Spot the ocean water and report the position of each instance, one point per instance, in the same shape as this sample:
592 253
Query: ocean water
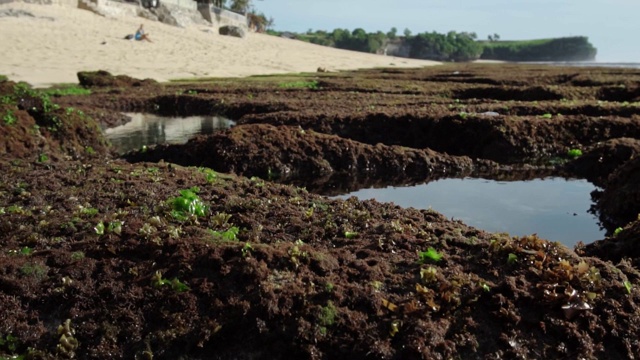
624 65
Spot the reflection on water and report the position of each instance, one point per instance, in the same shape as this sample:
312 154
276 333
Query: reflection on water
554 208
149 129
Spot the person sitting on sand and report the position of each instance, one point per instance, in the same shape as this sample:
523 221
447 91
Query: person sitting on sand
141 35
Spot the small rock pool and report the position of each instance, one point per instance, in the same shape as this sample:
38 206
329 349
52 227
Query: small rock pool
149 129
556 209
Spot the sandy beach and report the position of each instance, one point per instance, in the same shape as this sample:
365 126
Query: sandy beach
59 40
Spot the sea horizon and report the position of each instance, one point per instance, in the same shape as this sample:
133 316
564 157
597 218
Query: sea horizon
612 64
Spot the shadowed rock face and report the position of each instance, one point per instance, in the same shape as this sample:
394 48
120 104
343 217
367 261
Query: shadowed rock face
110 252
620 198
293 153
599 163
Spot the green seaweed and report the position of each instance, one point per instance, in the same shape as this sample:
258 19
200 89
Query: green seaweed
188 204
430 255
574 153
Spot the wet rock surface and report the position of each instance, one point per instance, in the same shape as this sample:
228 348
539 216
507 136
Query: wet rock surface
265 151
599 163
206 250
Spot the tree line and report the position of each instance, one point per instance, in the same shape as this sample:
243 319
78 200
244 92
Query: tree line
452 46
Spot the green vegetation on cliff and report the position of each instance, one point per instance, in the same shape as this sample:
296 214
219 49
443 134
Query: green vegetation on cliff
444 47
357 40
452 46
575 48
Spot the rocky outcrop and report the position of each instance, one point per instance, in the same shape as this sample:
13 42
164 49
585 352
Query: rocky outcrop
167 13
621 198
103 78
108 8
292 152
598 163
231 30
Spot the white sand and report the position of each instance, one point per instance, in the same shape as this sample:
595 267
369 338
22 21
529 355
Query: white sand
62 40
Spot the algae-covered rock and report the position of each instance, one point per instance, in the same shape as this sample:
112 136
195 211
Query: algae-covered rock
103 78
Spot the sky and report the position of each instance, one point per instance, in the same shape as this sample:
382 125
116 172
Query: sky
612 26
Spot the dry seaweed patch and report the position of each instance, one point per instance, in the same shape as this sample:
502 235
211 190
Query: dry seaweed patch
102 258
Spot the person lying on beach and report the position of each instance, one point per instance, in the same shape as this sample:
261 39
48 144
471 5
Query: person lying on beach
141 35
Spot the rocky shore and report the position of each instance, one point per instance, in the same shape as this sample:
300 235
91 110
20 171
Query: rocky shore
223 248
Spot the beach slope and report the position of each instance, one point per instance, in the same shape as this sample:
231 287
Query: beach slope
48 44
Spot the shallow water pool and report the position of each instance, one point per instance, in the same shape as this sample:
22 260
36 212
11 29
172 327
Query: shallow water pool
554 208
150 129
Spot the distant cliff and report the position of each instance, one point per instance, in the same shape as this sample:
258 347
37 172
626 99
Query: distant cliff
577 48
452 46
